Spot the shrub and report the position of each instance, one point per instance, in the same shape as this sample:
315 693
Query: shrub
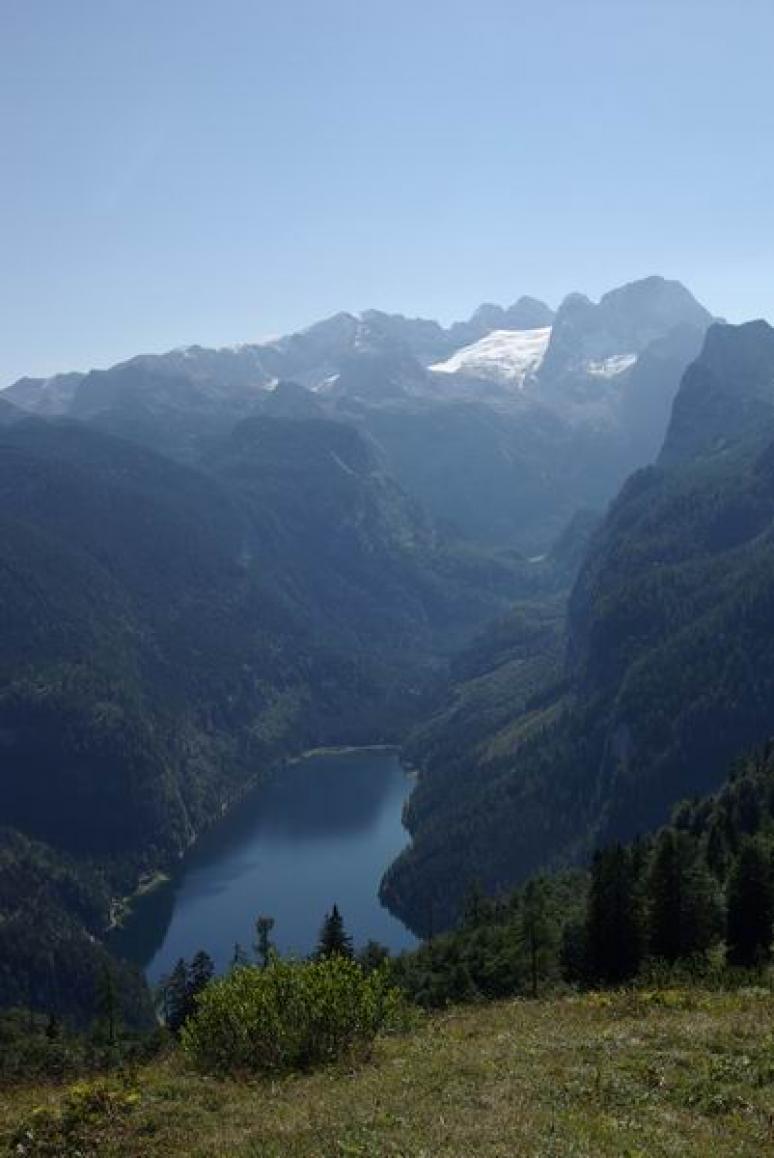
92 1117
34 1047
290 1015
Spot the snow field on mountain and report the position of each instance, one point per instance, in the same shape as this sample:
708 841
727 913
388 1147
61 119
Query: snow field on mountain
503 355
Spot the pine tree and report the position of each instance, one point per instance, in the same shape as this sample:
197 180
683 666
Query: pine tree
176 1001
535 930
573 952
717 852
263 945
239 958
614 928
750 907
199 976
333 936
107 1003
372 956
684 916
476 908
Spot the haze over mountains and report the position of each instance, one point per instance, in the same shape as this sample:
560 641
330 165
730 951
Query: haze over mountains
502 426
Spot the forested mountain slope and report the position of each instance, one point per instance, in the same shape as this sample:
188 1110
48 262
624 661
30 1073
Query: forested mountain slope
166 634
669 667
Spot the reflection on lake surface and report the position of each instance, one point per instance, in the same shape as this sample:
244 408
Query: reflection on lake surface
321 831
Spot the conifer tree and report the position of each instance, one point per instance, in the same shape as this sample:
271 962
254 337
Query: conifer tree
200 974
717 852
614 928
239 957
535 930
177 996
333 936
107 1003
263 944
475 905
372 956
750 907
573 952
684 916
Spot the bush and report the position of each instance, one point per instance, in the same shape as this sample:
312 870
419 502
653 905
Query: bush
34 1047
92 1117
290 1015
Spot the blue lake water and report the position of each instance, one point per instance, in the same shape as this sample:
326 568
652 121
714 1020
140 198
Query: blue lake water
320 831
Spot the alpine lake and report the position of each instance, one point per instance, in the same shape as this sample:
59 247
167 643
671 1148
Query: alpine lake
321 831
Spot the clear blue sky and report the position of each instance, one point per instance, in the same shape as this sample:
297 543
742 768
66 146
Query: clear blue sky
214 171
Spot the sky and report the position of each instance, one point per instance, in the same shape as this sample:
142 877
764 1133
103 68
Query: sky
219 171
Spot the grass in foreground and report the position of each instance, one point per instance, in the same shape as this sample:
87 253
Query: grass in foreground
677 1072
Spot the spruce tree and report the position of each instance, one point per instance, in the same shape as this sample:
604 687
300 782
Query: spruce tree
200 974
372 956
476 907
263 945
717 852
683 911
176 1001
239 957
573 953
107 1003
614 928
333 936
750 907
534 930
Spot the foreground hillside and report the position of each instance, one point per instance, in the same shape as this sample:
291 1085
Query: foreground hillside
656 1073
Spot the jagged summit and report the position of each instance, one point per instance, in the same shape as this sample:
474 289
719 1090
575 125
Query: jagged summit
622 323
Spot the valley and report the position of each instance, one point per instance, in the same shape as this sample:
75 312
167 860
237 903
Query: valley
376 531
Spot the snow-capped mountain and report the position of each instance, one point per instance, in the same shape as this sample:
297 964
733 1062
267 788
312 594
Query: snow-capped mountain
501 426
506 356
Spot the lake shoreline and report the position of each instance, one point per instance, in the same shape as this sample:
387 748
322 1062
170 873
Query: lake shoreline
340 750
121 907
324 832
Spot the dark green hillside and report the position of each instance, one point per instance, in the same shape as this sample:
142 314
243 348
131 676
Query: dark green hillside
459 813
670 659
696 895
360 562
53 910
166 635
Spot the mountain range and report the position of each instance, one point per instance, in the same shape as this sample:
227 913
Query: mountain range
502 426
